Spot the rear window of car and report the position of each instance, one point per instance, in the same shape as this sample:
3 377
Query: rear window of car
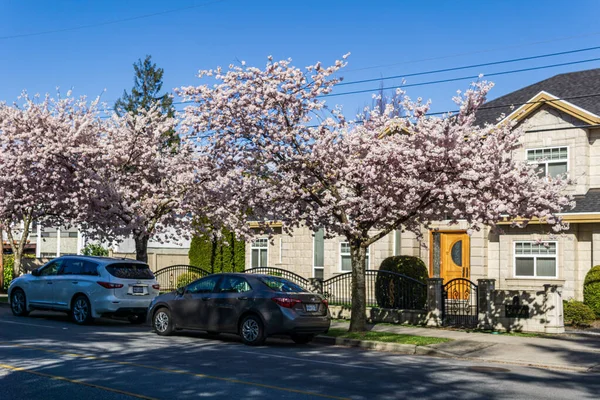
281 285
130 271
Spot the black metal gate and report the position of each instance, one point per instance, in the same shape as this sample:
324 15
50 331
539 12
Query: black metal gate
460 307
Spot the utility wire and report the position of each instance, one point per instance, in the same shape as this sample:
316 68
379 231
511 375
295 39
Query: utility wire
473 52
116 21
437 71
462 78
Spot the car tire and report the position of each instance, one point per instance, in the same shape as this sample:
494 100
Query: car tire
252 330
302 339
162 322
81 310
18 303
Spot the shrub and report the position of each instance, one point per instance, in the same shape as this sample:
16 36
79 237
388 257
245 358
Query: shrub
186 278
94 250
391 292
223 254
591 290
9 262
577 313
413 267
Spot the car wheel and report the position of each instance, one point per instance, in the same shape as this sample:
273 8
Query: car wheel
302 339
18 303
162 322
137 319
252 331
81 310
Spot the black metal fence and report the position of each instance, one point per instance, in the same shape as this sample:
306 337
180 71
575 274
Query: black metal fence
384 289
175 276
290 276
460 307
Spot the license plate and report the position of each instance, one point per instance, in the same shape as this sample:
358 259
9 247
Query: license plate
138 290
311 307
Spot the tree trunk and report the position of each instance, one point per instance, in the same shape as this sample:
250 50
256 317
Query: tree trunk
141 248
358 255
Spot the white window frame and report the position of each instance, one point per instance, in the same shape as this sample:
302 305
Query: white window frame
534 256
259 248
549 161
368 263
314 267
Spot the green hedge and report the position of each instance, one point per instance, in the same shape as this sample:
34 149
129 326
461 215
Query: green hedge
591 290
223 255
9 262
187 278
577 313
94 250
387 289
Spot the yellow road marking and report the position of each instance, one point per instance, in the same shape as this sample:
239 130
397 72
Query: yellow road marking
174 371
75 381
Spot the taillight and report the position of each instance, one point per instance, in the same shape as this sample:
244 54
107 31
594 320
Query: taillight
286 301
157 286
109 285
325 302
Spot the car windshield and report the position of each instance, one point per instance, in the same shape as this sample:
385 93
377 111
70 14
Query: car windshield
130 271
280 284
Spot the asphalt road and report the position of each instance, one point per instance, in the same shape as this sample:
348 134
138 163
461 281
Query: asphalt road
44 356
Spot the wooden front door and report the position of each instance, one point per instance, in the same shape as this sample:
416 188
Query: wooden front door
450 250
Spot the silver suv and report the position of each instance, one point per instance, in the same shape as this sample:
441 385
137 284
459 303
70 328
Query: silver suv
86 288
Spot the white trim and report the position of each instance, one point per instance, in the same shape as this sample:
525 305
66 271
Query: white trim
314 267
399 250
280 251
58 242
528 103
340 258
534 256
38 242
527 150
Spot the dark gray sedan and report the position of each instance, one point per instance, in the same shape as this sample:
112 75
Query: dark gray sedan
253 306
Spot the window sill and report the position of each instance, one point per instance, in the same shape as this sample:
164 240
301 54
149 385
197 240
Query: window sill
533 282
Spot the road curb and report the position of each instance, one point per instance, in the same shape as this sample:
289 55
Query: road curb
409 349
4 305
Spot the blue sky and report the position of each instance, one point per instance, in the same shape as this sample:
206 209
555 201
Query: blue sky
415 36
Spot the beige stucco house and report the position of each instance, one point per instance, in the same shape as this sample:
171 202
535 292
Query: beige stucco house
561 119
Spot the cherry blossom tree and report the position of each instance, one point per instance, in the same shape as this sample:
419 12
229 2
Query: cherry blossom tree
279 151
138 186
45 145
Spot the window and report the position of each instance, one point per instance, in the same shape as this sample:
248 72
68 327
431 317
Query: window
126 270
48 255
234 284
318 253
51 269
205 285
280 284
345 257
533 260
397 242
79 267
552 161
260 252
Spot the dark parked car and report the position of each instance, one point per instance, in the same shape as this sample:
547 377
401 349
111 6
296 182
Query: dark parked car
253 306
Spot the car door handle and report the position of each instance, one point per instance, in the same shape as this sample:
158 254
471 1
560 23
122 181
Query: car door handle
242 298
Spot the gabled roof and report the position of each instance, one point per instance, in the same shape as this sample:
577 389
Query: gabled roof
573 87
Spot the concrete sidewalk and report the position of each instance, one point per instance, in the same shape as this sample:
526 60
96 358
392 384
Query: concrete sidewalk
566 351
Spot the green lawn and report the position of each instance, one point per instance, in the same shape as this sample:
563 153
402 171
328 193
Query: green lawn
387 337
3 299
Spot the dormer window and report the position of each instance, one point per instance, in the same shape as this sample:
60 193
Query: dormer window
551 161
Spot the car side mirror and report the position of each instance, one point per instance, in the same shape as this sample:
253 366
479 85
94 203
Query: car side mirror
35 272
181 290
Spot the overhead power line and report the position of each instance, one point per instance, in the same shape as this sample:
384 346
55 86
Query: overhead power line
473 52
116 21
462 78
437 71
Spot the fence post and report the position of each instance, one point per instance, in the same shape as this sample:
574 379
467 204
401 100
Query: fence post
316 285
485 303
434 301
553 308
